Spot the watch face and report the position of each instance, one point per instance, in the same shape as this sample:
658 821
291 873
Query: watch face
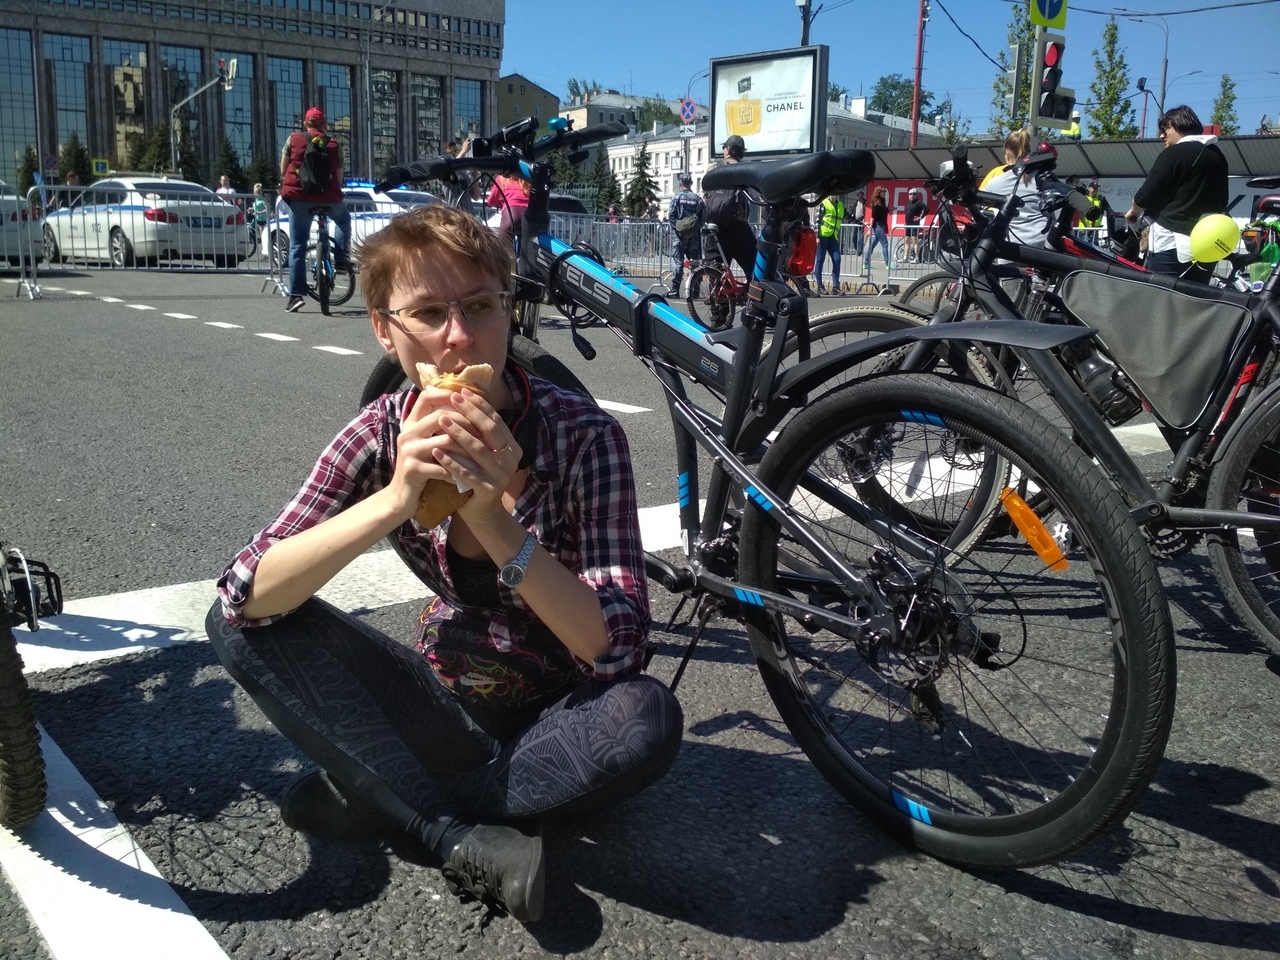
511 575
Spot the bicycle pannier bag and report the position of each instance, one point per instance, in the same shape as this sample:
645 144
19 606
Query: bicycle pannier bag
687 226
313 172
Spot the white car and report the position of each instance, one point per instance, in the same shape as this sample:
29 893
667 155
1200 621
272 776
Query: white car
141 219
19 229
370 210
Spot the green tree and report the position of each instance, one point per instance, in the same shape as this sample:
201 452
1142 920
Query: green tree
641 186
602 178
28 169
835 92
1224 108
148 153
581 88
955 129
74 158
1004 120
653 110
228 162
262 170
564 173
1111 115
893 94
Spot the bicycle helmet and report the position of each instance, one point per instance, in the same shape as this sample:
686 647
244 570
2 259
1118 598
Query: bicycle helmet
1213 238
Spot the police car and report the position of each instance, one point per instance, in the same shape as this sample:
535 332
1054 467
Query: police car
371 210
140 219
19 229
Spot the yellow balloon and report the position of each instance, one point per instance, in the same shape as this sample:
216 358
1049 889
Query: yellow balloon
1213 238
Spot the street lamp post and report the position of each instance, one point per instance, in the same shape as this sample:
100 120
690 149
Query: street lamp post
688 149
1142 16
1189 73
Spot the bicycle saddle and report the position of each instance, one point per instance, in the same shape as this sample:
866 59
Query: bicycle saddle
833 171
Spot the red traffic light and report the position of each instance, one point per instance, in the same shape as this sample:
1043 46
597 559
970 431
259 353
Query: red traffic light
1053 54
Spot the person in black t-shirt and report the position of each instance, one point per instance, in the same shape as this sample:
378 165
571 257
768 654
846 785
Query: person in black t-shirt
1187 181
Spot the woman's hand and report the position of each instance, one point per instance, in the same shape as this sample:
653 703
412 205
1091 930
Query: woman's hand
480 451
421 434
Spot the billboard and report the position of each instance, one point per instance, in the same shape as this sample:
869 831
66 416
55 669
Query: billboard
776 101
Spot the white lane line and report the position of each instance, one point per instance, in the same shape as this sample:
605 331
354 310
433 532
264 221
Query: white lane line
182 316
1142 438
621 407
223 324
78 293
58 289
275 336
341 351
138 306
91 890
111 300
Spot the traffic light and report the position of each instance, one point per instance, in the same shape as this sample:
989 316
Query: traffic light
1015 75
1053 102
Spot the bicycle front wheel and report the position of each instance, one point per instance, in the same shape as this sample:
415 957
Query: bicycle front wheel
326 281
709 299
1015 704
22 779
1246 562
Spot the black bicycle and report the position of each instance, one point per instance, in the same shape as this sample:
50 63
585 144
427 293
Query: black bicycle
29 590
998 706
328 283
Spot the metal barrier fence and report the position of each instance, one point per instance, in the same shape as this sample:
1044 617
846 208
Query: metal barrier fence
632 248
19 241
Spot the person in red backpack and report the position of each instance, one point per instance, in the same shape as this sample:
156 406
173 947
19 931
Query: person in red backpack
303 185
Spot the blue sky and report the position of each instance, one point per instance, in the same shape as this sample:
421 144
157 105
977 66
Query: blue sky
658 46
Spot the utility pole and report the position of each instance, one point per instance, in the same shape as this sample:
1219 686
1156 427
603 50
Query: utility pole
226 76
915 90
806 18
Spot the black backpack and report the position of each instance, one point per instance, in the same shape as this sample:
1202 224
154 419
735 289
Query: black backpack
724 206
313 172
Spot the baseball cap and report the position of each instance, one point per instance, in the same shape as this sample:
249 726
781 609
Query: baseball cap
735 143
684 177
315 114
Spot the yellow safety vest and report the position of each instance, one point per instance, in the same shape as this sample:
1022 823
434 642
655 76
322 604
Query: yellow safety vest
832 215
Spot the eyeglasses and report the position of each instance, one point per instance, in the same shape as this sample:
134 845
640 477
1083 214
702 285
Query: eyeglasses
483 308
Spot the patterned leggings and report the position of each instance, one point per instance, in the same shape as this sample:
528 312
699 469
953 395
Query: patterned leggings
372 713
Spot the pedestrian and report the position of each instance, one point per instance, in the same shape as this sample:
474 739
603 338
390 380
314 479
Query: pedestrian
300 200
612 215
1030 224
857 213
830 216
511 195
1187 181
525 697
225 187
916 209
1090 222
879 228
685 214
727 209
260 213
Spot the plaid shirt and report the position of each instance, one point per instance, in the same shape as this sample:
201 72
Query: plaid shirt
579 500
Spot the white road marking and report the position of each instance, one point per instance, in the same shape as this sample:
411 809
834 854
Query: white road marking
223 324
111 300
1142 438
621 407
341 351
275 336
58 289
77 293
138 306
182 316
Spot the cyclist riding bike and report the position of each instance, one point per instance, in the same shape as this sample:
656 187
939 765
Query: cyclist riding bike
311 176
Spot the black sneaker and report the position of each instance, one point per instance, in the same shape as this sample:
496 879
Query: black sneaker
295 304
314 806
499 865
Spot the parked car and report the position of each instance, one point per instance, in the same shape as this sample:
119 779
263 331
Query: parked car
370 210
19 229
558 203
141 219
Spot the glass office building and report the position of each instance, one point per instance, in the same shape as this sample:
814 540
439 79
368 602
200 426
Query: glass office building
396 80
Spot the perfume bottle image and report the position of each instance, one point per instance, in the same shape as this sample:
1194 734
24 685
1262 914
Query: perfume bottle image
742 116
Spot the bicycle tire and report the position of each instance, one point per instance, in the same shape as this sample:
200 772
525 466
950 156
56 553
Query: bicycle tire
23 788
985 758
708 301
1246 564
925 294
340 288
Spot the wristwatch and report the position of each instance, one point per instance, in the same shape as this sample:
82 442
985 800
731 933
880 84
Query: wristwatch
512 575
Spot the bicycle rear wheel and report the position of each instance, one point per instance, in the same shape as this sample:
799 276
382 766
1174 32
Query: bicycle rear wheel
1011 713
23 788
709 299
326 281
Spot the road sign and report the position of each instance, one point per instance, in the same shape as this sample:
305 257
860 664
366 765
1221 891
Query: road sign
687 130
51 162
1049 13
101 167
688 110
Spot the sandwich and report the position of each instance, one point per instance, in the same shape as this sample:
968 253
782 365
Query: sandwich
442 498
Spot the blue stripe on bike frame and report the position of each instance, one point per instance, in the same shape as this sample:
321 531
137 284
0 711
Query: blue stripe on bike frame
911 808
759 268
746 596
758 497
918 416
683 485
664 312
526 170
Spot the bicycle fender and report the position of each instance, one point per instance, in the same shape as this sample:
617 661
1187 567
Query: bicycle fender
1024 334
1258 407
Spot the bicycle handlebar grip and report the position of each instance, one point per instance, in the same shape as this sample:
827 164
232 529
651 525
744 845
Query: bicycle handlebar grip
1082 204
437 169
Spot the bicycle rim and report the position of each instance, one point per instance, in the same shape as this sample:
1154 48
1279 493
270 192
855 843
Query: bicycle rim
1022 711
708 301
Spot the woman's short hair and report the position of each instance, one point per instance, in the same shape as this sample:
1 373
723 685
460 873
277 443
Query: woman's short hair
1182 118
437 230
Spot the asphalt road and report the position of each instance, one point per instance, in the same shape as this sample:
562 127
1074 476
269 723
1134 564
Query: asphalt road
142 449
